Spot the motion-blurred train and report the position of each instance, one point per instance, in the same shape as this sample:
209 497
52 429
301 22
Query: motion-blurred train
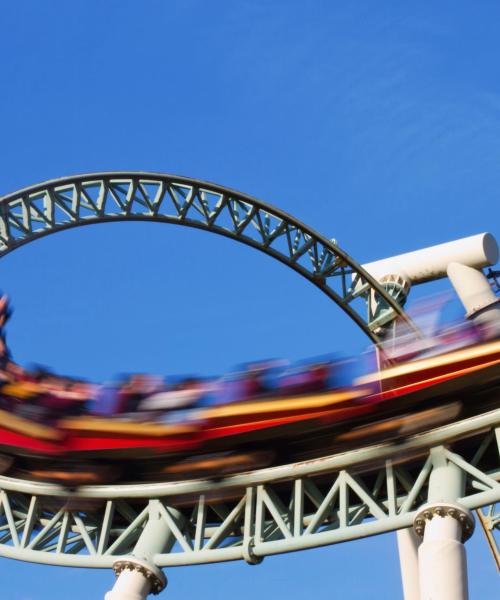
143 428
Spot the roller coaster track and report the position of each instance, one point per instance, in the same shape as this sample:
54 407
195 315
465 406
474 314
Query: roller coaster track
337 498
374 489
33 212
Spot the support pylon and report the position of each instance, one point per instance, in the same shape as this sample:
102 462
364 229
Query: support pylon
408 544
444 526
137 575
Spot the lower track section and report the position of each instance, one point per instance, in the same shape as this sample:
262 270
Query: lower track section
312 503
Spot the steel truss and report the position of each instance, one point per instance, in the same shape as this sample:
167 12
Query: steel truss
489 519
253 515
39 210
315 503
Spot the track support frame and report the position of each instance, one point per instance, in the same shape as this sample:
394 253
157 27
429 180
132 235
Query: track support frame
137 574
444 526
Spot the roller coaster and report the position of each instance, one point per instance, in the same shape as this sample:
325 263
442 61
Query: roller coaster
411 446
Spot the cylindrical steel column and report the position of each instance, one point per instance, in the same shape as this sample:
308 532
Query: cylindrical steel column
441 556
136 579
408 543
477 297
130 585
137 575
444 526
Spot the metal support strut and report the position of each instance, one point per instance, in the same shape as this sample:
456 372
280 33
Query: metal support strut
444 526
408 544
137 575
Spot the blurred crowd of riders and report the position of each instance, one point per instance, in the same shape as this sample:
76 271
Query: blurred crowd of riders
40 395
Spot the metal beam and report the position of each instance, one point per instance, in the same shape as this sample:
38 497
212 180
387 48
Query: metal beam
250 516
46 208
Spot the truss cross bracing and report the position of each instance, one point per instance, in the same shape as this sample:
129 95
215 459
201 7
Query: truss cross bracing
39 210
253 515
337 498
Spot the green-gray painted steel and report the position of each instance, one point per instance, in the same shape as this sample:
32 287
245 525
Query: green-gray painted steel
249 516
45 208
282 509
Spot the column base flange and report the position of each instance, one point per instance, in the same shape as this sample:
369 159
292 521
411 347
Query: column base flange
445 509
151 572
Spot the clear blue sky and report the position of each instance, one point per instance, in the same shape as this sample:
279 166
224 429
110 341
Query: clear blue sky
378 123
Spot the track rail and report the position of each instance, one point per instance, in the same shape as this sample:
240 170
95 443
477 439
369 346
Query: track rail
313 503
45 208
281 509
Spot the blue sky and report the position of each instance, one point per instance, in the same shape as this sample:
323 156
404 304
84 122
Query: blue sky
375 122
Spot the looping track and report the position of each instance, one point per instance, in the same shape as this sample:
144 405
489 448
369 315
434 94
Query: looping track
359 493
60 204
281 509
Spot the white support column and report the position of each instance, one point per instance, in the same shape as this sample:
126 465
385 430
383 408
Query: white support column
136 579
131 584
444 527
477 297
137 575
442 560
408 543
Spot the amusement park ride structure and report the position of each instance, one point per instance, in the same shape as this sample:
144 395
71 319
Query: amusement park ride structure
425 485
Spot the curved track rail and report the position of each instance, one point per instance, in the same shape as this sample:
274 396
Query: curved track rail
314 503
28 214
354 494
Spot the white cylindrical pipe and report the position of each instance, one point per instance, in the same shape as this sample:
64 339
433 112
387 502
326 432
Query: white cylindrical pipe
408 544
472 288
137 574
477 251
442 561
129 585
